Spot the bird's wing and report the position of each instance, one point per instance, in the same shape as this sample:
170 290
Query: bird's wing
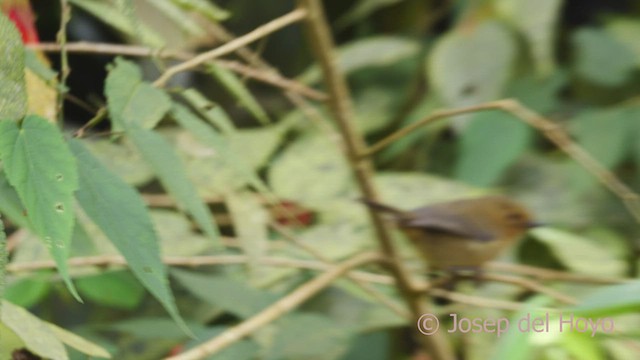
449 221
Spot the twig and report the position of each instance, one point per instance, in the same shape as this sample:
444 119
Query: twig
481 301
65 16
319 37
553 275
195 261
531 285
279 308
548 128
260 32
268 77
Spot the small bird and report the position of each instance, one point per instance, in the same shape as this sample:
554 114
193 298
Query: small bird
463 234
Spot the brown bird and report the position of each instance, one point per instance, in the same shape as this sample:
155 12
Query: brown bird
462 234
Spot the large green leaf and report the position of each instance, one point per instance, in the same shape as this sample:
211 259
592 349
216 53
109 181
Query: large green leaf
43 171
611 300
491 142
13 96
537 21
121 214
601 58
470 66
626 31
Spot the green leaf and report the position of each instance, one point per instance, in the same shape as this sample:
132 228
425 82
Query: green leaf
150 328
580 254
606 135
83 345
491 142
170 171
204 7
212 112
13 94
312 170
27 292
611 300
36 334
114 16
4 259
239 90
228 294
132 101
43 171
10 204
600 58
121 214
118 289
471 66
361 10
121 159
375 51
537 22
180 19
317 337
250 220
626 31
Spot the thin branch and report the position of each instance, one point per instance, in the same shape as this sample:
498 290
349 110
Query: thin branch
548 128
319 36
278 309
268 77
65 16
260 32
554 275
194 261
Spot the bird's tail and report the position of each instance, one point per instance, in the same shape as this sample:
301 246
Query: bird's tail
383 208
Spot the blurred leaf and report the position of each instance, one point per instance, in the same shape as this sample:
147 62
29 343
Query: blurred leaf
13 94
38 66
539 94
10 204
471 66
204 7
250 220
36 334
152 328
116 289
228 294
372 51
580 254
374 108
337 240
580 346
121 214
606 135
120 20
626 31
9 341
43 171
240 91
360 10
78 343
130 100
256 145
537 21
4 259
490 143
28 291
611 300
170 170
239 350
121 159
600 58
172 11
311 170
370 346
316 337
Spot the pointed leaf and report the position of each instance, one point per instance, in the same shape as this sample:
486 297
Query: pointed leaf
13 95
132 101
170 170
41 168
121 214
81 344
35 333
